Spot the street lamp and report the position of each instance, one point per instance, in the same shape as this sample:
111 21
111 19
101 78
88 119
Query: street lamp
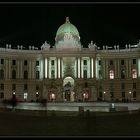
130 94
104 95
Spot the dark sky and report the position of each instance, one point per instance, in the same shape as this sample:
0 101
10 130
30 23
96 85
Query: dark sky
106 24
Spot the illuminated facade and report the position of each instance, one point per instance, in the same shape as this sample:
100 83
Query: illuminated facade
69 72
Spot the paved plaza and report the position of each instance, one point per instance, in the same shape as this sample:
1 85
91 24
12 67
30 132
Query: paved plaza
75 106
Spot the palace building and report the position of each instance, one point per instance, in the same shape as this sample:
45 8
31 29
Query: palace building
70 72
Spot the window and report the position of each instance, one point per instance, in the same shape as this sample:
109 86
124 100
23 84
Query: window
100 62
25 74
85 73
134 73
37 75
134 94
111 62
52 74
13 86
37 63
2 61
134 61
122 73
85 62
13 74
1 95
25 62
111 74
123 94
123 86
52 62
134 85
13 62
1 74
25 87
122 62
1 86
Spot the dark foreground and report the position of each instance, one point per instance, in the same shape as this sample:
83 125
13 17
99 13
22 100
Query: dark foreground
13 123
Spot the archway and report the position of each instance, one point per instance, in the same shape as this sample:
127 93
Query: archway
68 85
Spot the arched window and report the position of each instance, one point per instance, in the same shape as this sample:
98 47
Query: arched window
13 74
25 74
111 74
122 73
134 73
1 74
37 75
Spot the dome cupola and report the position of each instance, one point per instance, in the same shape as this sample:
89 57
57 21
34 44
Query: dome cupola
67 35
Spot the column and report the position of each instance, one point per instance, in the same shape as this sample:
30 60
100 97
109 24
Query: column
48 67
107 75
91 67
75 68
97 73
30 69
94 68
116 76
81 69
21 68
78 67
61 68
127 70
138 67
9 67
104 68
33 70
130 68
58 66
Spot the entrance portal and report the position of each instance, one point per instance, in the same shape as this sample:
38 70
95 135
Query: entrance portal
68 94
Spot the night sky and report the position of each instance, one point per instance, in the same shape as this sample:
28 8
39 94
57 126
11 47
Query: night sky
106 24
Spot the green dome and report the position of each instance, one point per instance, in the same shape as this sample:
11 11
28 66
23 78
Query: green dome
67 27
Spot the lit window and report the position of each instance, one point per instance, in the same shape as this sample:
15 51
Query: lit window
111 74
25 95
134 73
